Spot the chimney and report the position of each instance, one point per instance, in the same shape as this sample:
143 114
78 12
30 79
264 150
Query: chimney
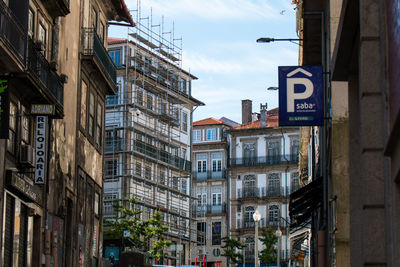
263 115
246 111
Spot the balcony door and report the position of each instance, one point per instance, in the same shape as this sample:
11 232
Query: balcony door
274 184
249 153
250 186
273 151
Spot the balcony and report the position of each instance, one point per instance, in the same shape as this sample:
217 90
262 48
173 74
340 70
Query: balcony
45 77
209 209
264 161
13 41
118 145
57 8
94 52
260 192
210 175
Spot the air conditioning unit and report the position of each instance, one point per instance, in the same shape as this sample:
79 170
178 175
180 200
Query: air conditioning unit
27 155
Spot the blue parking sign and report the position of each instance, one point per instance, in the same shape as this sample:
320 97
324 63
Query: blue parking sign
301 101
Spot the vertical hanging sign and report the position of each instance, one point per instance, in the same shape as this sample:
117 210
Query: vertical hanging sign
4 108
40 149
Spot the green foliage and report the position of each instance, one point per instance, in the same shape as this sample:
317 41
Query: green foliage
231 249
141 232
269 240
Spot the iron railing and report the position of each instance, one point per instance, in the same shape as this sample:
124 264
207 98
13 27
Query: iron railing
40 68
209 209
258 192
210 175
265 160
11 32
93 46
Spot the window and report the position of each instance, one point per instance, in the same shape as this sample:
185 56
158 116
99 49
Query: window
12 136
31 23
83 104
250 188
115 55
149 102
249 153
248 217
42 35
162 177
216 233
138 169
139 97
294 150
202 163
273 214
249 247
217 199
94 18
175 183
294 181
99 124
274 184
201 197
211 134
216 162
96 204
184 186
147 172
184 121
196 135
91 114
201 234
26 127
274 151
111 167
101 32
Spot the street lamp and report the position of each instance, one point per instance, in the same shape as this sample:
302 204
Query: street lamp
278 234
269 40
256 218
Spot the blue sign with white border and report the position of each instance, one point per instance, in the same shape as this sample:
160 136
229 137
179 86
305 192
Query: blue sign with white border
301 101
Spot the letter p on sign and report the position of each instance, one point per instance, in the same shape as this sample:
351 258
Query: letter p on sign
291 95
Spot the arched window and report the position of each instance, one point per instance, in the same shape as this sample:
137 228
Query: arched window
274 214
274 184
250 244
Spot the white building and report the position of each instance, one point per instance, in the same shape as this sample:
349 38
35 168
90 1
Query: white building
263 172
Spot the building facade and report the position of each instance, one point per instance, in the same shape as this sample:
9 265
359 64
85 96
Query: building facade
263 169
210 187
52 54
148 135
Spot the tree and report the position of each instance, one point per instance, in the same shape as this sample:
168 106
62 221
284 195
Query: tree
269 240
141 232
231 247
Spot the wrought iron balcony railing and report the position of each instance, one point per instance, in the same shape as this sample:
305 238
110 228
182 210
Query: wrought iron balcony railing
93 46
209 209
265 160
12 33
210 175
40 68
259 192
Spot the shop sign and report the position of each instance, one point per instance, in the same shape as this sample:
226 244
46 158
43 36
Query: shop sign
4 108
25 187
301 101
42 109
40 149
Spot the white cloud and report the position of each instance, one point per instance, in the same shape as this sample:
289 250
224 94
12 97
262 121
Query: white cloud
211 9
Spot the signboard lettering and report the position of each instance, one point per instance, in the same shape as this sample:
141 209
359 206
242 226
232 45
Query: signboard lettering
301 96
4 108
40 152
42 109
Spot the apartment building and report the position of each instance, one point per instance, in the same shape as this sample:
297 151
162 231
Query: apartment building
263 169
148 135
210 187
55 74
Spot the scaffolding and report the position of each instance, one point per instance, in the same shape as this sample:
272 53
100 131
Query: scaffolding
147 142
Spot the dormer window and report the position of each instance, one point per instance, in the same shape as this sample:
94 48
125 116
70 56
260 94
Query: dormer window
211 134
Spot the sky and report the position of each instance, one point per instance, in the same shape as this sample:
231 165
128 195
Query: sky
219 47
